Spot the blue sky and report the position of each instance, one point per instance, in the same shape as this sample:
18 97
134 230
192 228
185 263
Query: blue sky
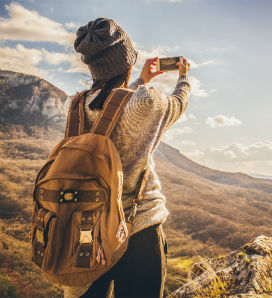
227 124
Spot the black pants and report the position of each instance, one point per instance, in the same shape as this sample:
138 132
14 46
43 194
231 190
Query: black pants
140 272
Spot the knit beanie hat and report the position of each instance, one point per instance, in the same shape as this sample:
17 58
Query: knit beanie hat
105 48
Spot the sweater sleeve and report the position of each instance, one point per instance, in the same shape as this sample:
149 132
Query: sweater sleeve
150 102
136 84
149 113
176 103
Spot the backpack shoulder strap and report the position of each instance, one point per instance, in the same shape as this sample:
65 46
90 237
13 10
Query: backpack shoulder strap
75 118
107 120
111 111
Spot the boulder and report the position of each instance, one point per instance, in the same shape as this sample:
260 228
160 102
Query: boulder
246 272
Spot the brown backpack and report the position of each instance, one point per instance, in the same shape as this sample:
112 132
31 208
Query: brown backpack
79 230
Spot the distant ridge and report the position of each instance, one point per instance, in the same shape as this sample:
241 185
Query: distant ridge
259 176
236 179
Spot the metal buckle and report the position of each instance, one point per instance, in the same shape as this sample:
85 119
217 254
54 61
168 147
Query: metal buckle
86 236
68 196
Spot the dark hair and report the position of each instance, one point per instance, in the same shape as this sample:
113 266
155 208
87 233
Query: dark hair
106 86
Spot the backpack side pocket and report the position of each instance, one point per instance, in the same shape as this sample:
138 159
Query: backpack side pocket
42 234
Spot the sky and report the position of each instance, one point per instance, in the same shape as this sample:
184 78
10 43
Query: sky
227 124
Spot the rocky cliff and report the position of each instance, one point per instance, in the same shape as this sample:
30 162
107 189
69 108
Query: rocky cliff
26 99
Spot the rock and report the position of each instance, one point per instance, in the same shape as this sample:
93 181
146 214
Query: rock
246 272
29 99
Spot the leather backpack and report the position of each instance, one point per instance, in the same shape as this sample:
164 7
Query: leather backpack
79 230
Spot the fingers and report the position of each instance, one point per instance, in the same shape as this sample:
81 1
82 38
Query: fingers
186 63
151 61
184 66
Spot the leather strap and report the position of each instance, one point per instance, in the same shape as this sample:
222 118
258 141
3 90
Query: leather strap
75 118
112 110
57 196
85 241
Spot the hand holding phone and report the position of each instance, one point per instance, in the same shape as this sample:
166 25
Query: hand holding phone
147 71
163 64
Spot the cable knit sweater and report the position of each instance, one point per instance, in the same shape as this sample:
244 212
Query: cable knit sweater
146 117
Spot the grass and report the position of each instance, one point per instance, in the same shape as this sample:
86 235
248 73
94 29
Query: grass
7 290
217 287
177 271
180 264
15 262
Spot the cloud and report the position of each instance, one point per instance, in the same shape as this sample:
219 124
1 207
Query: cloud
195 154
71 25
174 133
76 65
73 61
186 117
187 143
193 64
55 58
29 25
196 89
221 120
236 157
21 59
26 60
159 51
166 83
256 151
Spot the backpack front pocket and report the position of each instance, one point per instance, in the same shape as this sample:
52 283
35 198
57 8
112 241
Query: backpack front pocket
82 235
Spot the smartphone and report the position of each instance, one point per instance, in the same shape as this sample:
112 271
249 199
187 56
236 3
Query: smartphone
167 64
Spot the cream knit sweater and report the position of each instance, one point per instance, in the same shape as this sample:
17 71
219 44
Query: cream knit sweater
146 117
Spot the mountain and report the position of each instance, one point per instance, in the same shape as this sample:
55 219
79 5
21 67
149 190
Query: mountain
211 212
26 99
175 157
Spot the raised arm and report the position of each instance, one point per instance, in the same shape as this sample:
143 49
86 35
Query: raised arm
171 106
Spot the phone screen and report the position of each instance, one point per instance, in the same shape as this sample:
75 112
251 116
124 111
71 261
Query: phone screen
169 63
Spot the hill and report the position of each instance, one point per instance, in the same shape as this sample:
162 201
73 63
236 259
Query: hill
172 155
211 211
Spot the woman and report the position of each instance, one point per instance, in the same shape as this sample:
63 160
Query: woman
109 54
